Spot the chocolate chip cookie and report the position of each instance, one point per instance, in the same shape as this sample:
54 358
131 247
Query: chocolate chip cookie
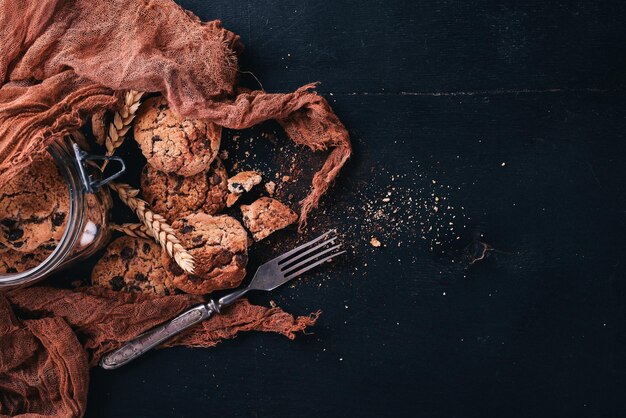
12 261
266 216
219 244
174 144
132 265
34 207
174 196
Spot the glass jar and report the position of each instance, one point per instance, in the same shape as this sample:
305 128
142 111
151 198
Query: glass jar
89 205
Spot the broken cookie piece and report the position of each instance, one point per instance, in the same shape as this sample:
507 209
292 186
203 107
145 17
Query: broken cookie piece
219 245
133 265
241 183
266 216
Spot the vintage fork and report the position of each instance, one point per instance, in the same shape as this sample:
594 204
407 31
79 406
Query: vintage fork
269 276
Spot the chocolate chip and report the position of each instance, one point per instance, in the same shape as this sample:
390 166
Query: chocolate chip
15 234
238 188
134 288
140 277
197 239
11 270
175 268
18 244
223 257
58 218
187 229
146 248
166 291
241 260
179 183
9 223
117 283
156 138
127 253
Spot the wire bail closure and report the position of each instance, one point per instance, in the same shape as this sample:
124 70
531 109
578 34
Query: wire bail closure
82 158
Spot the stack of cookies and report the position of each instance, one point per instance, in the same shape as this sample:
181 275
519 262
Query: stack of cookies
186 182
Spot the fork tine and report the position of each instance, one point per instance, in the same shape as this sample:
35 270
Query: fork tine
317 263
303 246
293 267
303 254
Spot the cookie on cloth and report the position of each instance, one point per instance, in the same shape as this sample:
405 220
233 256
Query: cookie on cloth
132 265
265 216
173 196
34 207
219 245
174 144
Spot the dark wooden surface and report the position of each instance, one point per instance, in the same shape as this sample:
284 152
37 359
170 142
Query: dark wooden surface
517 111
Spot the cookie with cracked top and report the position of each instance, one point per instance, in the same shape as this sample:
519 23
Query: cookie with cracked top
132 265
219 245
174 196
172 143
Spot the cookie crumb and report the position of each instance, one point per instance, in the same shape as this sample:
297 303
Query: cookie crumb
374 242
270 188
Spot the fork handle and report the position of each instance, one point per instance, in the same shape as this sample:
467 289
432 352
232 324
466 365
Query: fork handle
154 337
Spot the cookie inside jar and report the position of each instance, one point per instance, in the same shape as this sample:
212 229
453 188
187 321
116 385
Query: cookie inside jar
35 214
34 210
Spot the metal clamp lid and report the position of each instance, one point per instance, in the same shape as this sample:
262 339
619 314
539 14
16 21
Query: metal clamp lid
82 159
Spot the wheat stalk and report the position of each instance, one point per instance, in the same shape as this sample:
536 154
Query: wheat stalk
155 225
120 125
132 230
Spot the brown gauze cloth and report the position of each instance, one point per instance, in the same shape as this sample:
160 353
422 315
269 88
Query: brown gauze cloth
45 359
62 61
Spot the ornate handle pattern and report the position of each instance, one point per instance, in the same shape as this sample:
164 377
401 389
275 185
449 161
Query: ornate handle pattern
150 339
